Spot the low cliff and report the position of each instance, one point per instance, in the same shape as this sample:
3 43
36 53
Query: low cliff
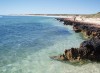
89 49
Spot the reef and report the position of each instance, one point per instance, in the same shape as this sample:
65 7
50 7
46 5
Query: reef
89 49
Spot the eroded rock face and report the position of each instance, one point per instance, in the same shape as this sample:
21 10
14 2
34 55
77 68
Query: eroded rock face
89 49
82 27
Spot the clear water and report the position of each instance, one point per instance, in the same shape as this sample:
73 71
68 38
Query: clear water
26 44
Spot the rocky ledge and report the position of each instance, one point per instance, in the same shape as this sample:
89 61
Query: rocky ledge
89 49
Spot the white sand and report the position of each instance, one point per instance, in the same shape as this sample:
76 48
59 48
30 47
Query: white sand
89 20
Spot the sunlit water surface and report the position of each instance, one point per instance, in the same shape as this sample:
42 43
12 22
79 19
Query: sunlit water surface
27 43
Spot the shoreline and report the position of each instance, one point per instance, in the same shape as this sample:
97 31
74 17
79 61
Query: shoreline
38 16
89 49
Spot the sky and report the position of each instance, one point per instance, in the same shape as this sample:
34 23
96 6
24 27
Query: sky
49 6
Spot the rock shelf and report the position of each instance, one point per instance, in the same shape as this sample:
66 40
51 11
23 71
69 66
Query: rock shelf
89 49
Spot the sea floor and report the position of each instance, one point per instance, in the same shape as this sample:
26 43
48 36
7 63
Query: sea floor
27 43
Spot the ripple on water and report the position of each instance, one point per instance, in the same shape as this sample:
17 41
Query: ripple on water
30 51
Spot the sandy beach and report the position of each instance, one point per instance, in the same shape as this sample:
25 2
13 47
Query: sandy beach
94 21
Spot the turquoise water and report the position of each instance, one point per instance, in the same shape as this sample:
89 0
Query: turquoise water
26 44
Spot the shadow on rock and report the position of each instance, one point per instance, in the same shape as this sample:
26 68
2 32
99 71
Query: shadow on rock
88 51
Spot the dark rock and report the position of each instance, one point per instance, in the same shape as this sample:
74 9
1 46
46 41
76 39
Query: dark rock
89 49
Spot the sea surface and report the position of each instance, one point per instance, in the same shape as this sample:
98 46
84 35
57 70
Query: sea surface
28 42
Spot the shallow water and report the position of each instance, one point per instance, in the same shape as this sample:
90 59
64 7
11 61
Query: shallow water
26 44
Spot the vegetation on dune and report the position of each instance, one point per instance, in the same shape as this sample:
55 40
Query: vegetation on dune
97 15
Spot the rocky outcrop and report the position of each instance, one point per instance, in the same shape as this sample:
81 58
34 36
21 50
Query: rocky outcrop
89 49
86 28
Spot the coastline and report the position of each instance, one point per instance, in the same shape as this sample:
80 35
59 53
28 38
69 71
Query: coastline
37 15
89 49
90 30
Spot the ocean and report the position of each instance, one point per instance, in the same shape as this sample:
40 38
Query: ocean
28 42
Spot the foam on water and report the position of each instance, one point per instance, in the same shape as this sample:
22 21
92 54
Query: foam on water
32 54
